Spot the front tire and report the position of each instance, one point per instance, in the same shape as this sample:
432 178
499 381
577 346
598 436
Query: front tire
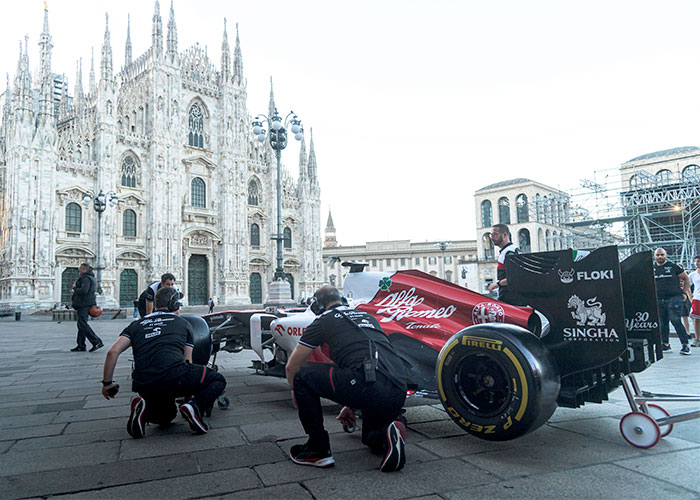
496 381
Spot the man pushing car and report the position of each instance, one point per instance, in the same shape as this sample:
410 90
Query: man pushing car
366 374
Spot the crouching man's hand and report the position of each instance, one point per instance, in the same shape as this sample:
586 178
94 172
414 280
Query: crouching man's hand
346 416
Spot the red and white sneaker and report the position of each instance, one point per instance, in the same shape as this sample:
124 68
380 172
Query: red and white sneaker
395 457
302 454
191 413
136 426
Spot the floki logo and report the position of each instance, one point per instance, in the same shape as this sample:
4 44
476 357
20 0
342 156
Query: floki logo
399 305
567 277
590 321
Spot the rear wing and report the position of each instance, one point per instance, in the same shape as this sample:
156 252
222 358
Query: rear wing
602 313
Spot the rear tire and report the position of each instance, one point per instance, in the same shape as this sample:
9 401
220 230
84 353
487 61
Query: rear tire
201 337
497 382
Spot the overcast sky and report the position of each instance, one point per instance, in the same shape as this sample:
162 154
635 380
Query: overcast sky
417 104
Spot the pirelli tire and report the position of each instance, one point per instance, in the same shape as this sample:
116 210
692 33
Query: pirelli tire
201 336
496 381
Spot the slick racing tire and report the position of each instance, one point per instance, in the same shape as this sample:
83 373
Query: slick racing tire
497 382
202 339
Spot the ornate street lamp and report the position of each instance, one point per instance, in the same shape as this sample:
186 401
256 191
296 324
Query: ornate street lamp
442 245
275 129
100 201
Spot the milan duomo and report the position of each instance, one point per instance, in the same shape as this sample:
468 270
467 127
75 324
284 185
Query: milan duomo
170 136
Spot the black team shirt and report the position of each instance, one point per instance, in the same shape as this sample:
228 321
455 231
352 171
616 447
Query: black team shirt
158 342
666 278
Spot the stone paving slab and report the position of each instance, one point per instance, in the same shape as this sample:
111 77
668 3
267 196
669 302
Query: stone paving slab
59 438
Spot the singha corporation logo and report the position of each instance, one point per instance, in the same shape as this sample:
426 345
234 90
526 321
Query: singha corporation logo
588 313
384 284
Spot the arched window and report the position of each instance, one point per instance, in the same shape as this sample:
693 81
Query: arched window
287 238
199 193
254 197
540 240
664 176
691 173
504 210
129 171
524 241
488 246
538 208
74 218
195 126
522 208
255 235
634 181
548 239
486 214
129 223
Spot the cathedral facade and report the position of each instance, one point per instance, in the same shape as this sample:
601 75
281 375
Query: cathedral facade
168 139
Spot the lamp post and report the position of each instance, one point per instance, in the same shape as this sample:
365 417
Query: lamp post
442 245
100 201
275 129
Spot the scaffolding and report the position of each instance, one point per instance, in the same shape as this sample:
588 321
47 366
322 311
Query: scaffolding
638 211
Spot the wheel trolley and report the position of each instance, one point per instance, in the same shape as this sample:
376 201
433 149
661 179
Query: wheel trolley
648 422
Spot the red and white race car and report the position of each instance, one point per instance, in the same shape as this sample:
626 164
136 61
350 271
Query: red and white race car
499 370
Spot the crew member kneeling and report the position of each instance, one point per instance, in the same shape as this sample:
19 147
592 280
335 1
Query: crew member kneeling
365 374
162 345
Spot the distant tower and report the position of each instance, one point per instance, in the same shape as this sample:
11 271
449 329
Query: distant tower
330 241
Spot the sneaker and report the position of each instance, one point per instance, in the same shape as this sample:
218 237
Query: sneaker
96 347
696 343
685 349
304 455
666 347
191 413
395 457
77 349
136 426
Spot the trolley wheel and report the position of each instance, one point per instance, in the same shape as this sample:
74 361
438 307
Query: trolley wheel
349 428
656 412
223 402
640 430
215 368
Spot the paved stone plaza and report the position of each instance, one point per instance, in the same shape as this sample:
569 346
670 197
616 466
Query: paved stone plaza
60 438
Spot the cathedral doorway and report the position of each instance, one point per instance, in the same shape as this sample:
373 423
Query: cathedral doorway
197 280
128 287
255 288
290 279
68 277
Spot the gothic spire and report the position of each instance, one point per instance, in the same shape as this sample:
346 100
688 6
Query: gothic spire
127 48
312 158
237 61
172 35
271 108
106 64
63 112
45 82
78 86
225 57
23 80
329 224
93 88
157 31
303 171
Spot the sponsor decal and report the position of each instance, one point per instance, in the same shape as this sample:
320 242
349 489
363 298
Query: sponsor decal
384 284
566 277
399 305
587 313
488 312
590 321
640 322
494 345
292 331
413 325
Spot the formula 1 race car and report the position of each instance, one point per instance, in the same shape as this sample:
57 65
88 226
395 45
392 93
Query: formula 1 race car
499 370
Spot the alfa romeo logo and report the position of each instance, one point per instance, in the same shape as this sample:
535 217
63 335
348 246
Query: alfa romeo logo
488 312
384 284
